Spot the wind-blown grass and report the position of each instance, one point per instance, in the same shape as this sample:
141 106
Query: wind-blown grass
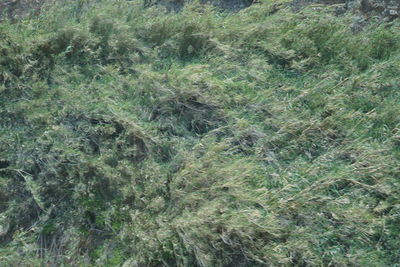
131 136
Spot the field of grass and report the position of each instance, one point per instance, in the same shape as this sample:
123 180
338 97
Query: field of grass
131 136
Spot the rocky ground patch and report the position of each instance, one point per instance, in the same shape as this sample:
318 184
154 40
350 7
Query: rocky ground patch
19 8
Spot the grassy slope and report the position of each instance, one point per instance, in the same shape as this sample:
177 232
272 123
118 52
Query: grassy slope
199 138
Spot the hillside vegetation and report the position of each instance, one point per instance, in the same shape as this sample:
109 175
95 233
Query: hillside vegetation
133 136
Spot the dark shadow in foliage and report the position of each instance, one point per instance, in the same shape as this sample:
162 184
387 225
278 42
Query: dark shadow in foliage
11 59
23 210
113 46
4 164
187 109
99 132
193 43
64 181
70 42
103 28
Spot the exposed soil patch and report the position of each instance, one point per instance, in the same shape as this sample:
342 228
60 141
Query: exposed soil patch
300 3
232 5
228 5
15 9
386 10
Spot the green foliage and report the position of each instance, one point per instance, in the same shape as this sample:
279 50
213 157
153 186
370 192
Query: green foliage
131 136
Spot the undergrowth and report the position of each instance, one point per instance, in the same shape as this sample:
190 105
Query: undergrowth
132 136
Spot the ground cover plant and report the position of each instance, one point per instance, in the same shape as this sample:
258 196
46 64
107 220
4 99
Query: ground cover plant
135 136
